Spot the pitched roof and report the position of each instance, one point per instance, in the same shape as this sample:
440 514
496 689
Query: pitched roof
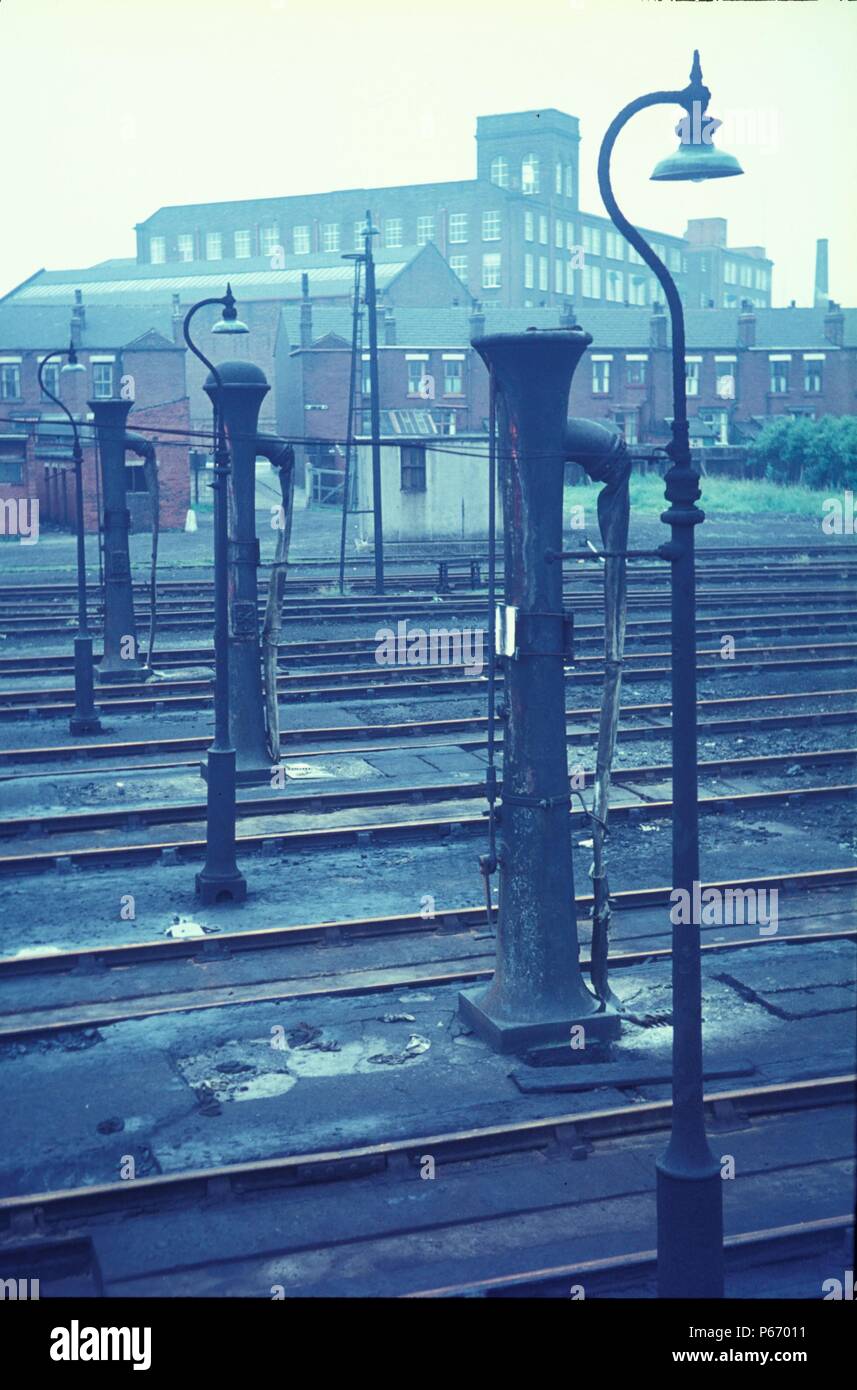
43 326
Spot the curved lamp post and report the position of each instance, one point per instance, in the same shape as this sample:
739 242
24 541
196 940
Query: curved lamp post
220 880
689 1187
85 719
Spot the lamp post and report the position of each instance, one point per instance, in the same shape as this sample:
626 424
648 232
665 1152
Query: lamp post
85 719
689 1188
220 880
374 404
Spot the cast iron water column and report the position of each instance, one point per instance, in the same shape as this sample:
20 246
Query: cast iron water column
121 660
537 993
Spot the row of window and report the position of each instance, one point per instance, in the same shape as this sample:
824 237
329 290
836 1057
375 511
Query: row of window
421 382
780 375
531 175
10 380
750 276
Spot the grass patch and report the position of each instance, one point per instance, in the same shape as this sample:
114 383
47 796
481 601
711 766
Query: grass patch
721 497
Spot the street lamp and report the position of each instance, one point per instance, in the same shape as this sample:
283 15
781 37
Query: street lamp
220 880
85 719
689 1188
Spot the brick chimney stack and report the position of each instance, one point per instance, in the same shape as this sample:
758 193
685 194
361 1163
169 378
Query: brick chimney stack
834 324
746 325
306 312
477 321
389 327
658 327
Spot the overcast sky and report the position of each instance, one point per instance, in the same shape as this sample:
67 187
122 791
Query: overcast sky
114 108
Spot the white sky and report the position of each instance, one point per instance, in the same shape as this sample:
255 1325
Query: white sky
117 107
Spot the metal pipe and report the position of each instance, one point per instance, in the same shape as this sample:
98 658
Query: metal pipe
374 408
121 658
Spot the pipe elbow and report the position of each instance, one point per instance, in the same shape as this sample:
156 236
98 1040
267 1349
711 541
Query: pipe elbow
600 450
144 448
277 451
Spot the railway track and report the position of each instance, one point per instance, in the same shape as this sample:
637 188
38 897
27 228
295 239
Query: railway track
640 631
395 682
373 609
302 742
454 822
346 798
504 1190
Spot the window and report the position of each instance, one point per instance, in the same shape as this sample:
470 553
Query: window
591 282
416 371
51 379
725 383
412 468
600 376
558 178
557 276
458 226
592 240
500 171
570 243
185 246
102 380
213 246
691 377
459 265
812 375
746 276
157 250
530 177
615 281
359 230
674 258
660 250
490 226
636 289
529 271
634 257
269 240
569 181
529 226
452 369
558 235
242 244
730 273
543 272
10 381
300 240
779 375
393 231
425 230
635 371
613 246
569 277
135 476
11 471
330 236
491 270
543 230
366 377
626 420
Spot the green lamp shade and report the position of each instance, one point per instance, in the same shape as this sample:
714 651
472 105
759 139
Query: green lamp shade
230 326
695 162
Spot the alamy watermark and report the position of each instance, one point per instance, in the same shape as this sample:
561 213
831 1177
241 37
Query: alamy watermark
725 907
437 646
19 516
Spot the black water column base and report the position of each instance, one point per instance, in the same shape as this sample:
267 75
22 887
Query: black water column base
519 1035
85 718
221 880
690 1230
246 776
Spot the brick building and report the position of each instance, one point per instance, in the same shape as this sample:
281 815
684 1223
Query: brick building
405 277
742 368
515 234
122 349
